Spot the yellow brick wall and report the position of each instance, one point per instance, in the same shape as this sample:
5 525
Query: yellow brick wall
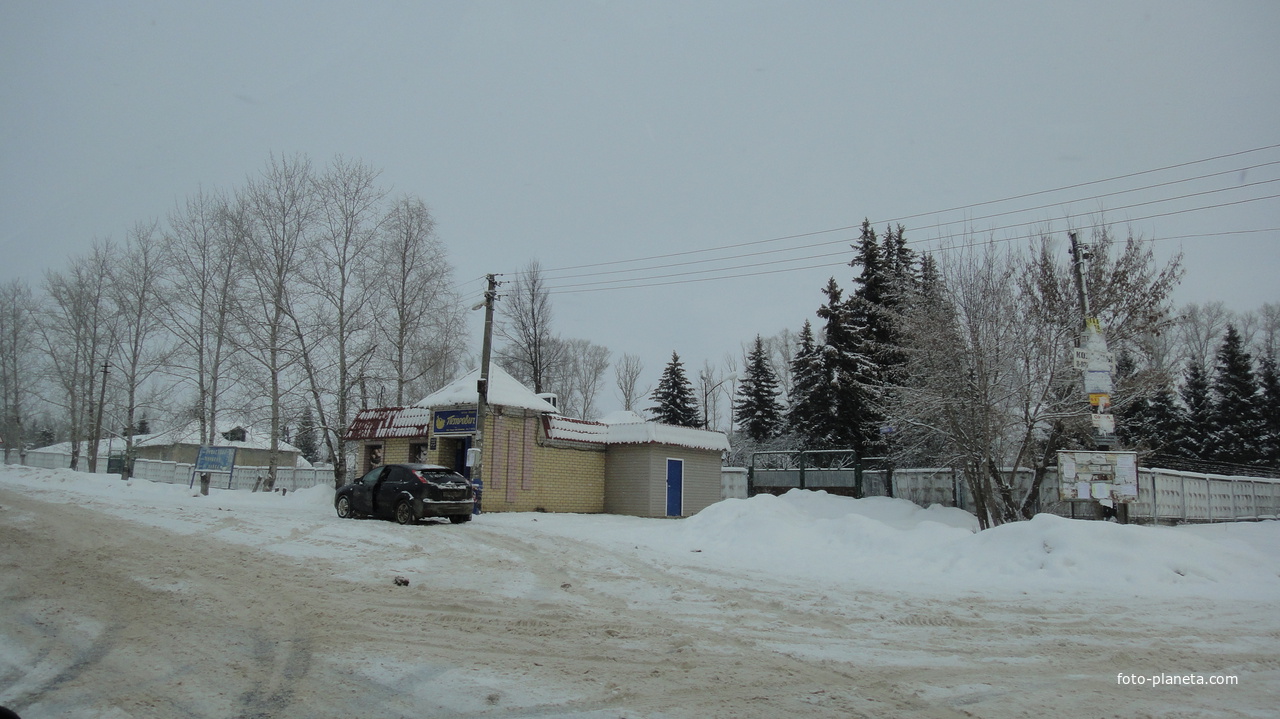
564 480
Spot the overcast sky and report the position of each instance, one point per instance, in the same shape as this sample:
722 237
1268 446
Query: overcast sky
584 133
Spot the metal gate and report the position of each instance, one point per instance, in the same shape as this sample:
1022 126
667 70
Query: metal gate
838 471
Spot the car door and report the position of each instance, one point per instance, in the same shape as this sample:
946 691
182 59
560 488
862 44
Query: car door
362 491
391 485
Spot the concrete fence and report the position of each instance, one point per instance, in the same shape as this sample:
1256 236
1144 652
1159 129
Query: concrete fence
154 470
1164 495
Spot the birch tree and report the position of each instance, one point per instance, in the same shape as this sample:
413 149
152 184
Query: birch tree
135 290
202 253
280 213
334 330
420 316
76 335
17 364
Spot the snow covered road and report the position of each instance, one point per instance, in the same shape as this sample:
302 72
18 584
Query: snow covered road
140 600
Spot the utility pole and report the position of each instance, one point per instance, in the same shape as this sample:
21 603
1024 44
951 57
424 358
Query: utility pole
97 424
1079 255
482 386
1106 478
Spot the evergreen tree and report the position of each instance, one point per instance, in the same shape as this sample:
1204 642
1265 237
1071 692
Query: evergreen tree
305 436
674 397
810 390
1236 425
1269 405
847 421
1151 422
1192 442
757 409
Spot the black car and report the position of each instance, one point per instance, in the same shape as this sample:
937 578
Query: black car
407 493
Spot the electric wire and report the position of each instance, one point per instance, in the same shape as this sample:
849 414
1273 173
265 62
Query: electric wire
894 220
554 276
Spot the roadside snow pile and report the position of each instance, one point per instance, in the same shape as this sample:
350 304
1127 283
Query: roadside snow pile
892 542
803 536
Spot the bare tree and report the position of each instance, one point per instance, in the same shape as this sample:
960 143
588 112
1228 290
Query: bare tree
334 330
626 375
1268 342
712 386
280 209
17 363
1200 331
135 290
76 335
531 353
419 315
579 385
203 255
992 386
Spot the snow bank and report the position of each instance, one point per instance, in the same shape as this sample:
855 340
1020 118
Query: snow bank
892 542
803 536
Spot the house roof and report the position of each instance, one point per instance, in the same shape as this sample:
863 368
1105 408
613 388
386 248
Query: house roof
504 390
388 422
190 434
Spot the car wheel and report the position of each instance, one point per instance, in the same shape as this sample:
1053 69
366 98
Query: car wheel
343 505
404 513
459 518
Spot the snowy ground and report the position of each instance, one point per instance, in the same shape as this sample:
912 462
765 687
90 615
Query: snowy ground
141 600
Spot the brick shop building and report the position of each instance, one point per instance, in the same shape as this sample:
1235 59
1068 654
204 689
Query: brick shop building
537 460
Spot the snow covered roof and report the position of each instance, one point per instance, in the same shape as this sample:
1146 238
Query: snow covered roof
190 434
386 422
504 390
634 430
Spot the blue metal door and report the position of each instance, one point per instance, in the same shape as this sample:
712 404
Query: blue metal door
675 487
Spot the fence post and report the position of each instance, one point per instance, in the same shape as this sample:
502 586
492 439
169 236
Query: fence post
1183 492
802 454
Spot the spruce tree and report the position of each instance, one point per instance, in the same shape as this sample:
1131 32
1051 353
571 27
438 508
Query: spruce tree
1236 426
757 410
1269 405
1192 441
674 397
810 392
305 436
847 421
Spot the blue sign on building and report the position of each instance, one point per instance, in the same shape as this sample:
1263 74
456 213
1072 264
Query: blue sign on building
453 421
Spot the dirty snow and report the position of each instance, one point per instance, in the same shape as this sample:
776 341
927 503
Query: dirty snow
807 603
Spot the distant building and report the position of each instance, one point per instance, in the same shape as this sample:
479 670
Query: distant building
537 460
181 445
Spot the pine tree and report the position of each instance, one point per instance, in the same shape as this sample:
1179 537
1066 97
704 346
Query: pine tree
1236 425
674 397
757 410
1192 441
810 390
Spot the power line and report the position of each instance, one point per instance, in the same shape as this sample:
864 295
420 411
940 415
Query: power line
958 208
844 240
626 283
